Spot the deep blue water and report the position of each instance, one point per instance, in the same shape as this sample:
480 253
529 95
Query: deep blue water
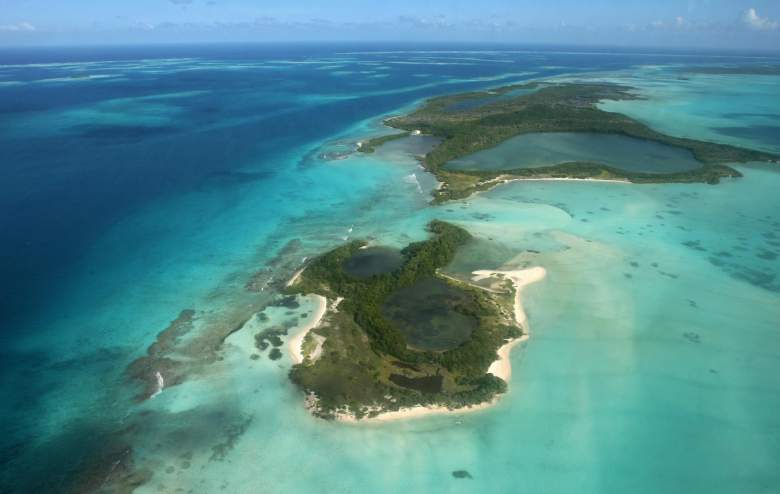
60 191
82 157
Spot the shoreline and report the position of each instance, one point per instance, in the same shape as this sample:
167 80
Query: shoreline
294 277
503 180
296 342
556 179
501 367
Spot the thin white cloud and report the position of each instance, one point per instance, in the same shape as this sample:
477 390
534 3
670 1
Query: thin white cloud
755 21
19 27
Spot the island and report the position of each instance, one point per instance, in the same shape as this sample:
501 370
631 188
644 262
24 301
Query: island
515 119
395 336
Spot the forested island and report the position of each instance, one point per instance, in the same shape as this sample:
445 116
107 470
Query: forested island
471 122
397 333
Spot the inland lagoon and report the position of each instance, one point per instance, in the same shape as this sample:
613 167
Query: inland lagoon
555 148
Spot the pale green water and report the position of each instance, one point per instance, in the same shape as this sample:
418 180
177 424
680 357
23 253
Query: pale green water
554 148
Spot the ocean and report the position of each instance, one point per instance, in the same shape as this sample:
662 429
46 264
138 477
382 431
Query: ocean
140 182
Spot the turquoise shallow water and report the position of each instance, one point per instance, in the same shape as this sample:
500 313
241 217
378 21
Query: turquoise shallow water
652 365
554 148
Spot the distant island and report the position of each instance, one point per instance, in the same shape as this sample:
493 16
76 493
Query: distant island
474 122
395 337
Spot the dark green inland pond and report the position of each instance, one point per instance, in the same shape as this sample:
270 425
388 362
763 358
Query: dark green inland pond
430 315
372 261
553 148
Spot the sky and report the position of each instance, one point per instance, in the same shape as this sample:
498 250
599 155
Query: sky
717 24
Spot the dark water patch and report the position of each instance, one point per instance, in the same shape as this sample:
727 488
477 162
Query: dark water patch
425 384
766 280
100 357
741 115
418 145
232 433
634 264
432 315
239 177
461 474
275 354
724 253
82 457
290 302
554 148
762 133
695 245
668 275
692 304
110 134
628 275
373 261
270 336
692 337
767 255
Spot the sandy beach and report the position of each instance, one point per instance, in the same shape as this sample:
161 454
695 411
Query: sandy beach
503 180
294 278
501 367
520 279
295 343
414 412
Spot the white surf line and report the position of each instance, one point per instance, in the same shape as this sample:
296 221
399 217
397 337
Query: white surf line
160 384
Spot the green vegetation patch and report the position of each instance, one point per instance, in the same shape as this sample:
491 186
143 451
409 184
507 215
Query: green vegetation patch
370 145
368 364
